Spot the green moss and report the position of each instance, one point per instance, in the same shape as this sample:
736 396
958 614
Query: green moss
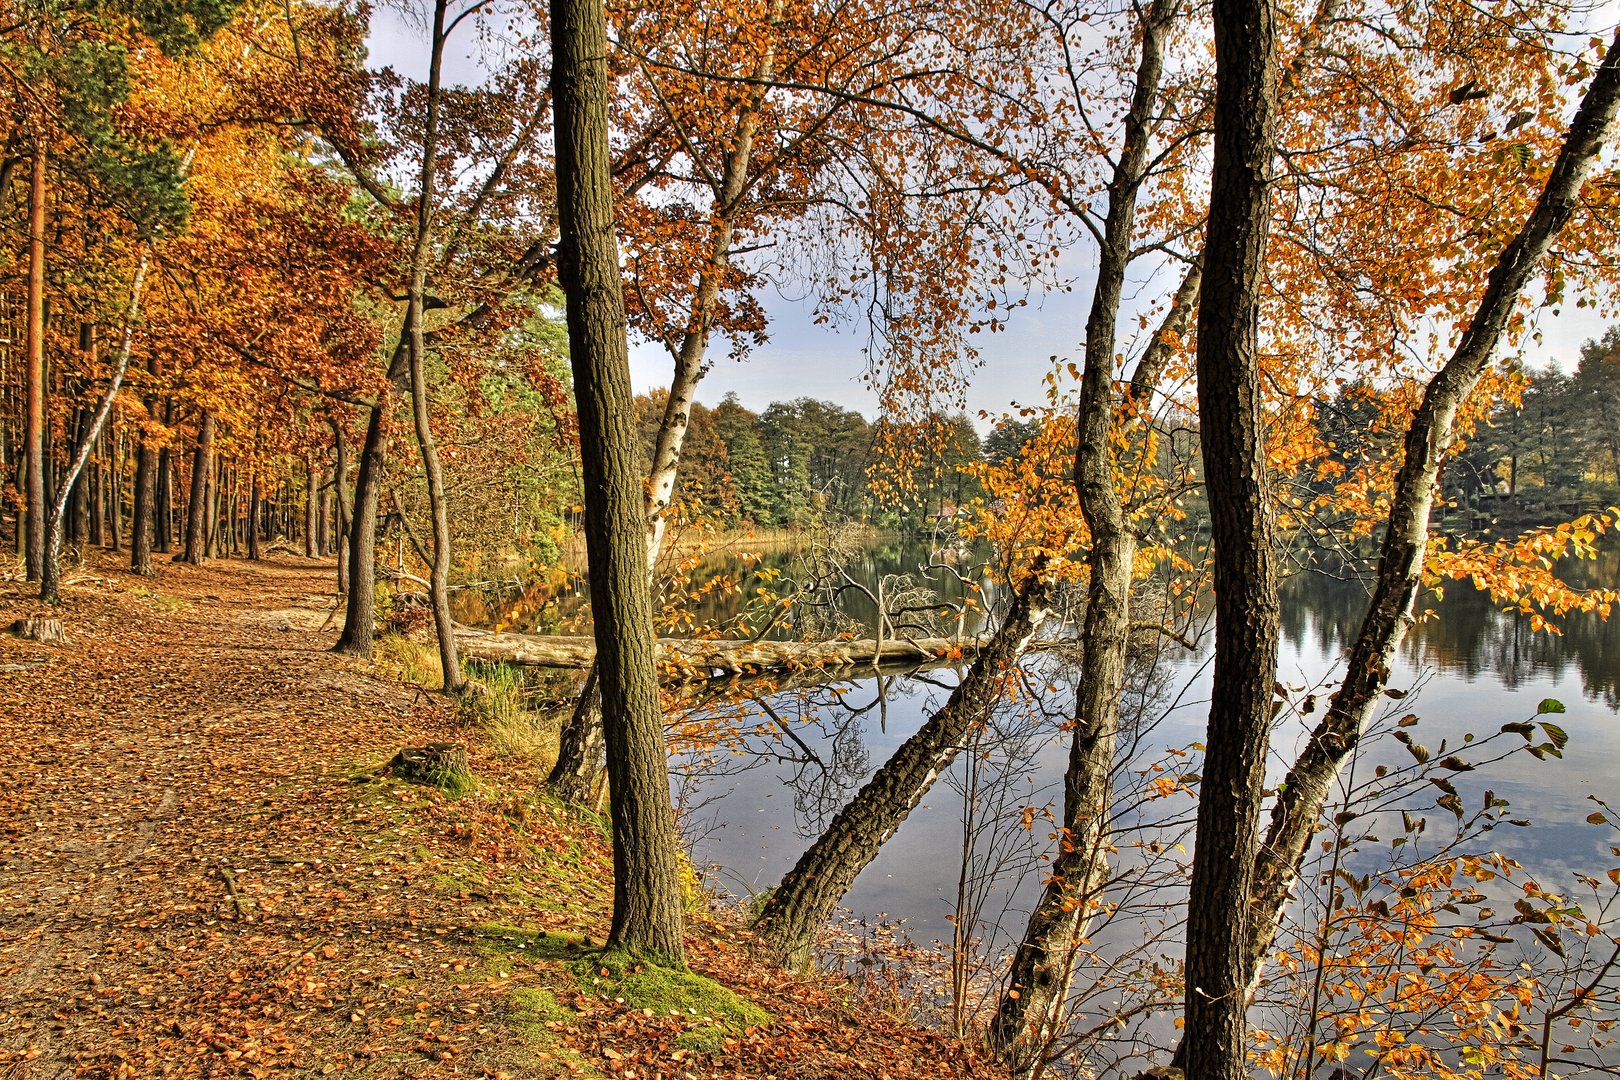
531 1008
497 939
642 985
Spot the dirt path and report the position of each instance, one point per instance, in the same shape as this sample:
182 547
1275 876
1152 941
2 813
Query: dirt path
201 874
185 881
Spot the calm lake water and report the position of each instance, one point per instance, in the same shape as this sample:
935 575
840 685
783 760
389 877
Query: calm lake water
751 810
1467 671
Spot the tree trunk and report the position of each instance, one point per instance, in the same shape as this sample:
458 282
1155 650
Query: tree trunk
1301 797
1247 616
807 895
202 462
163 509
97 474
416 357
579 746
49 579
1028 1014
144 522
211 530
579 761
361 596
78 512
647 915
340 504
312 486
255 511
34 493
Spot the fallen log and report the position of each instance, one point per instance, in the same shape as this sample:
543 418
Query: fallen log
684 661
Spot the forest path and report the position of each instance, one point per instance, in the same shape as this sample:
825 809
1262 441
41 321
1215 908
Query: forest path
201 874
190 881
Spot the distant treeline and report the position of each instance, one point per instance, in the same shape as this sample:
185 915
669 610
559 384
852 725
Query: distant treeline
797 460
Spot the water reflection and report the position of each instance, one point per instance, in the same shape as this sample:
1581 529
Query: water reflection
1472 666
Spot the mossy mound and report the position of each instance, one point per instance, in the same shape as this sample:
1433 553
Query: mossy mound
716 1012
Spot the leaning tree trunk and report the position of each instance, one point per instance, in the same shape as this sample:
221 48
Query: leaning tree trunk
1303 794
647 915
49 578
202 464
807 895
1247 616
1037 983
580 746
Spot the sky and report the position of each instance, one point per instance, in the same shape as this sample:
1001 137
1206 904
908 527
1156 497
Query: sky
803 359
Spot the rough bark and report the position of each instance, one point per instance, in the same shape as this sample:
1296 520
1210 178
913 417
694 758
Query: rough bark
647 915
805 899
1245 572
359 630
202 464
34 350
578 764
1038 980
1301 797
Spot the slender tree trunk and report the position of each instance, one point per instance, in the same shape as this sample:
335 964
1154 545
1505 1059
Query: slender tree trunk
34 493
647 915
807 895
115 492
163 510
78 513
98 474
144 523
416 357
197 505
311 487
340 502
211 520
323 524
1247 615
255 511
1303 794
1028 1015
49 578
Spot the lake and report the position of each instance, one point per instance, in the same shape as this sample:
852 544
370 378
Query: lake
965 863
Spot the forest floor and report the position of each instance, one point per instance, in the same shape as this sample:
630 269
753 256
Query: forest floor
203 873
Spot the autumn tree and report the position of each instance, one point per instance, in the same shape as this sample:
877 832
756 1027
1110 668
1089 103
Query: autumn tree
647 905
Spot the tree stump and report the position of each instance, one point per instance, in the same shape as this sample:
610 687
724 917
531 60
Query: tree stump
48 631
440 765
